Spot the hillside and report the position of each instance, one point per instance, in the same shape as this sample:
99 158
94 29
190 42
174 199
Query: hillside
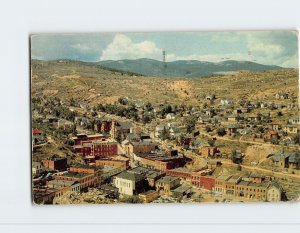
184 68
93 84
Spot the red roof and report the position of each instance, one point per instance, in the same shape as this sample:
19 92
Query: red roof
36 131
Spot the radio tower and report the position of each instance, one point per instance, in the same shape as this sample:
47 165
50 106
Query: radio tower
164 60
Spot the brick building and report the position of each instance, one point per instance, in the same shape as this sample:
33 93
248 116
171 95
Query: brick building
80 138
112 162
85 179
97 149
55 163
203 182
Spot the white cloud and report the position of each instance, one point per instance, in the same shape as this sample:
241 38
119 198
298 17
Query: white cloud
122 47
271 48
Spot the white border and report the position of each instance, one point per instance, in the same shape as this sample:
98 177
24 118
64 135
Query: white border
18 19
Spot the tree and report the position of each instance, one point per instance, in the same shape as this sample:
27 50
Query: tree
211 142
221 131
190 124
207 128
274 141
297 138
165 134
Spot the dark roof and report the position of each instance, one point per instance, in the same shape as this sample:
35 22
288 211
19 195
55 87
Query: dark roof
131 176
168 179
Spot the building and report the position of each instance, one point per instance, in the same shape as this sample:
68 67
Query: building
208 151
271 134
274 192
86 169
64 124
183 173
165 184
142 146
220 184
294 120
110 171
160 162
55 163
149 196
36 168
283 160
151 175
170 116
113 162
255 178
119 130
97 149
79 138
182 191
293 129
203 182
85 179
130 183
72 186
252 191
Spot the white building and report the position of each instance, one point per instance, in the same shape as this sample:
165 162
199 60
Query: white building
36 168
129 183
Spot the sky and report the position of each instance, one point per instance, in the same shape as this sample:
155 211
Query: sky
265 47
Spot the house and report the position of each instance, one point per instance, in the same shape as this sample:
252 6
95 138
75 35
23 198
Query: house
208 151
275 126
36 168
119 130
256 178
210 97
165 184
170 116
293 129
51 120
149 196
130 183
271 134
282 95
274 192
203 120
233 118
282 160
73 186
37 137
142 146
231 129
169 129
226 102
151 175
64 124
182 191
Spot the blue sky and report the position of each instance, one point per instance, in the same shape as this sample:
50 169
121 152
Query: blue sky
266 47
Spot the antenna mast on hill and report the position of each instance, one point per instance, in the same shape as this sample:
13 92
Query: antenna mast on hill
164 60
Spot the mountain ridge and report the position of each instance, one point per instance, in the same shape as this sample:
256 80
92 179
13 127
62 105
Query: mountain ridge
183 68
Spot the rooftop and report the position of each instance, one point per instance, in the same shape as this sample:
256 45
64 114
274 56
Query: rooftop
130 176
168 179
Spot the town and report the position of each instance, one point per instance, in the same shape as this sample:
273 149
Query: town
222 149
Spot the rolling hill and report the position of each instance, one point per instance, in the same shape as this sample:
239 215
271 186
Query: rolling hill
183 68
